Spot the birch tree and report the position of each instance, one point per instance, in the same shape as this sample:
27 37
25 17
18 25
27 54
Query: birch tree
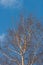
26 43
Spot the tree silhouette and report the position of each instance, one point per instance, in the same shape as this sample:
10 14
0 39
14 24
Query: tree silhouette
24 46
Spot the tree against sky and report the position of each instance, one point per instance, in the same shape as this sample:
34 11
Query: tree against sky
23 46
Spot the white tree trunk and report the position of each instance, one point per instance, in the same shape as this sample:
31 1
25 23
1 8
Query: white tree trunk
22 60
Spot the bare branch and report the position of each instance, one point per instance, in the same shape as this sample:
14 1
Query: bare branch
14 51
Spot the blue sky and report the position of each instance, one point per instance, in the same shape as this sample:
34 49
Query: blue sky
7 10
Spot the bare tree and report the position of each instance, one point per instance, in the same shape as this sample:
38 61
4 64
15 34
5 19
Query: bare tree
26 43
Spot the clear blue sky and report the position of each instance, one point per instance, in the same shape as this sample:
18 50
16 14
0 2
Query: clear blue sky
28 6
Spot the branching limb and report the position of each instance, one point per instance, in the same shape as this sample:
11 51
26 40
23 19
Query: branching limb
13 51
14 60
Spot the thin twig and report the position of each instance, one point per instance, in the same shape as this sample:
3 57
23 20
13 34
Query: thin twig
14 51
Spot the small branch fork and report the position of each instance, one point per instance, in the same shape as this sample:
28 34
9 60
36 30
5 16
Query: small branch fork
10 58
7 56
14 51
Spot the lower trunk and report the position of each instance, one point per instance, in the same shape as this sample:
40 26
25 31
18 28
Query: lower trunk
22 60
